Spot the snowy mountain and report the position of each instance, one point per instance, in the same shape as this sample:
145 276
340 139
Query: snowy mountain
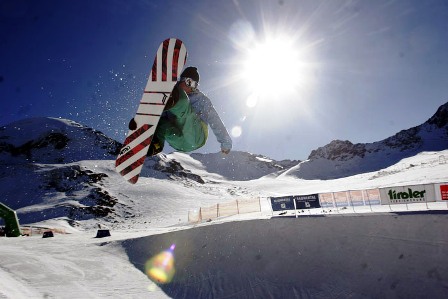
59 174
343 158
52 140
242 166
55 168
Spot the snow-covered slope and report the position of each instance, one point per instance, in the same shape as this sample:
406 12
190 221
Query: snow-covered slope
242 166
377 256
59 169
53 140
311 257
343 158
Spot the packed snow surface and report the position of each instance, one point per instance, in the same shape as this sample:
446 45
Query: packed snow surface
354 255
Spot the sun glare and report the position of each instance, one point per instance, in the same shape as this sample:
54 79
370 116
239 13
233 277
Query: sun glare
274 72
272 67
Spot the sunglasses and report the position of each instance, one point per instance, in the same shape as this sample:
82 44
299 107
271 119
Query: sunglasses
191 83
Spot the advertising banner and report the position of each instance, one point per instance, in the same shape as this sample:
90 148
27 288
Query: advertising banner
307 201
356 197
407 194
326 200
341 199
282 203
373 197
441 191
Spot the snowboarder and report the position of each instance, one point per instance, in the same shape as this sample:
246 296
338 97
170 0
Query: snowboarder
184 123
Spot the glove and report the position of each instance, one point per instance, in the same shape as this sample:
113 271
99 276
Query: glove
132 124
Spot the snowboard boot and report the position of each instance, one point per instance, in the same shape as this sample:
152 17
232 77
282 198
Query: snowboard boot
156 147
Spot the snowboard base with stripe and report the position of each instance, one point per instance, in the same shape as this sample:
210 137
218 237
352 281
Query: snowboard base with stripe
167 67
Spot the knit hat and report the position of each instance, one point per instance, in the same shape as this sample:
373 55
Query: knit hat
190 72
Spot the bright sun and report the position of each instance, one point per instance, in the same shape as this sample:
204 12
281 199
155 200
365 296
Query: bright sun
273 67
274 73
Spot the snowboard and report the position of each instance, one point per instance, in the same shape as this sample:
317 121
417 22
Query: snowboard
166 69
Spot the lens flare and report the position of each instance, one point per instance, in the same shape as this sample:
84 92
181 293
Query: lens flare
236 131
160 268
252 100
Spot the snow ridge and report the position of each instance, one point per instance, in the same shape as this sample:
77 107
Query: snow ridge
56 168
342 158
52 140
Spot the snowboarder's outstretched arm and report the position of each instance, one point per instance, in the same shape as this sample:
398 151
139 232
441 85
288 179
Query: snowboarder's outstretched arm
203 107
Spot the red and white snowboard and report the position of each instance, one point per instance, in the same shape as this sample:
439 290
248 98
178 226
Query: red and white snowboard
168 64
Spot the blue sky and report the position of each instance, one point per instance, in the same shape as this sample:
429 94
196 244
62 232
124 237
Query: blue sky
366 69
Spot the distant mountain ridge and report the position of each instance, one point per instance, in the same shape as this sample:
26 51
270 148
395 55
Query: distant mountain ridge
54 168
52 140
242 166
343 158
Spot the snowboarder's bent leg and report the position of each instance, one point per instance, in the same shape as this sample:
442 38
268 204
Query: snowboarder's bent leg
186 132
